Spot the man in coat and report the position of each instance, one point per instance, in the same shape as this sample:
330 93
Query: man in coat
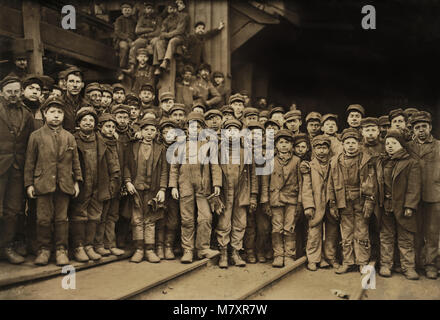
16 125
426 149
72 97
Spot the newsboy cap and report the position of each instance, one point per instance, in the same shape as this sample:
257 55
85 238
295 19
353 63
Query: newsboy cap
329 116
106 87
118 86
177 106
284 133
120 108
321 139
54 101
398 135
164 122
166 96
236 97
148 122
313 116
356 107
212 113
249 111
254 124
9 79
270 121
350 133
276 110
421 116
300 137
264 114
107 117
196 116
395 113
232 123
410 111
384 121
293 114
84 111
370 121
94 86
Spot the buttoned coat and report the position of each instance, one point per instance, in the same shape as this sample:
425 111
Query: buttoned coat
314 190
13 144
406 189
46 168
429 160
283 185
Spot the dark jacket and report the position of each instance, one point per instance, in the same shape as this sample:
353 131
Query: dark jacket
124 29
148 26
109 172
196 46
406 189
176 26
13 144
73 104
45 168
207 92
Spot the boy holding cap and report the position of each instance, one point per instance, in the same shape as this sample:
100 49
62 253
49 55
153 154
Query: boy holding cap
52 175
400 183
352 197
426 149
146 180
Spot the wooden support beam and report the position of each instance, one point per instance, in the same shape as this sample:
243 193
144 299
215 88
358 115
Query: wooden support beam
245 33
31 30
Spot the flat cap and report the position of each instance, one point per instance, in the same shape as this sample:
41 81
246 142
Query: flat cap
198 104
236 97
151 110
370 121
31 79
227 109
19 54
273 122
398 135
142 51
118 86
188 68
94 86
48 82
301 137
177 106
232 123
284 133
73 69
84 111
249 111
164 122
196 116
395 113
147 122
166 96
148 87
356 107
384 121
52 100
313 116
321 139
264 114
330 116
106 117
253 124
244 93
350 133
131 98
410 111
9 79
212 113
292 114
421 116
107 88
120 108
276 110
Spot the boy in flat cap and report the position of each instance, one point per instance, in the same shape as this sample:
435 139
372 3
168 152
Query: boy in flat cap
134 103
250 114
124 34
173 33
314 199
185 91
196 42
280 195
52 174
178 114
16 125
118 93
384 125
214 119
140 72
272 125
236 101
426 149
277 114
100 169
166 100
192 182
148 27
32 90
330 129
206 91
240 189
399 120
263 116
147 96
400 183
228 112
168 227
72 97
146 179
352 197
105 239
218 80
293 121
199 107
301 146
313 123
355 113
107 97
93 96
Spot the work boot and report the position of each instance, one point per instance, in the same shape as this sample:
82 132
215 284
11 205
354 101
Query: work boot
12 256
323 264
116 251
207 253
411 274
312 266
278 262
269 254
102 251
164 64
92 254
151 256
160 252
250 255
261 258
80 255
138 256
342 269
61 256
42 258
236 259
334 264
290 245
385 272
278 248
431 272
187 256
223 261
169 254
397 269
20 248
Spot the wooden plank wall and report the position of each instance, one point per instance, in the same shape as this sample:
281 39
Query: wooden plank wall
211 12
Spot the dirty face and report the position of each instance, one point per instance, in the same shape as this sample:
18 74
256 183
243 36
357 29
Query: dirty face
354 119
108 129
87 124
392 145
351 146
32 92
149 132
370 133
398 122
54 115
313 128
422 130
11 92
301 149
330 127
284 145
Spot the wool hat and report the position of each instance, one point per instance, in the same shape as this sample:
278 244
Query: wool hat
421 116
313 116
398 135
356 107
350 133
284 133
86 111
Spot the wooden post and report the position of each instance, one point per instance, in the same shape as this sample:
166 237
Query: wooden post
31 30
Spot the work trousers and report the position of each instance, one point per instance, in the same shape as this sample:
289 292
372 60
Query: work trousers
124 48
166 228
164 49
405 242
331 238
105 231
258 231
143 224
431 226
356 247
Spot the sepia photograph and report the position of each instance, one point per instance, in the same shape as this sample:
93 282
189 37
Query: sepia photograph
212 158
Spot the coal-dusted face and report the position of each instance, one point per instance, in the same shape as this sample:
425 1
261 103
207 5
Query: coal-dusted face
351 146
422 130
392 145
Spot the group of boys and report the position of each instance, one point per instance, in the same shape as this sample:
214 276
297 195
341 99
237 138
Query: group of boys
91 163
